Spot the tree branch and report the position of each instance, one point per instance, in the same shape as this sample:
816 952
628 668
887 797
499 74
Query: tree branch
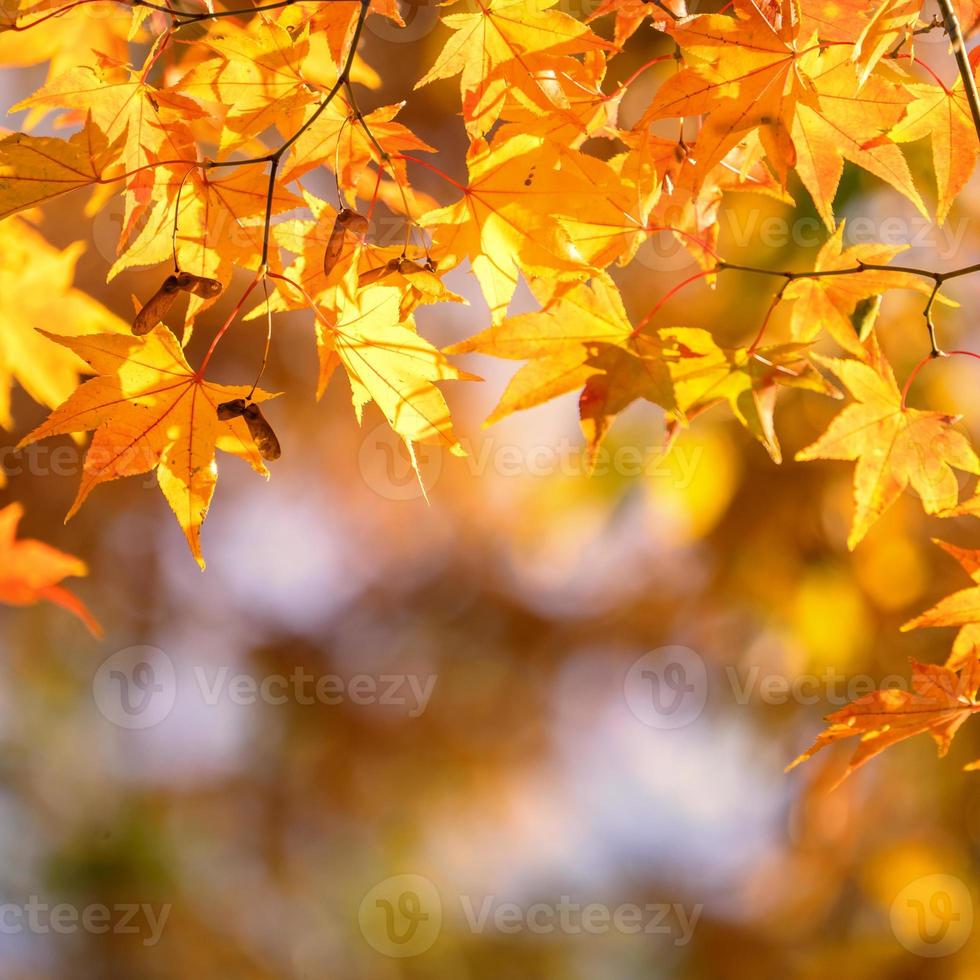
962 60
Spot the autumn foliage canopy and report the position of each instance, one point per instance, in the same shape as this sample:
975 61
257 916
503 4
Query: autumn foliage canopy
212 141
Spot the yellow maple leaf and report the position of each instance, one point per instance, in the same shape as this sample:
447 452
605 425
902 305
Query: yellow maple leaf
387 362
35 169
705 374
846 120
492 49
35 290
557 344
829 302
942 114
895 447
256 72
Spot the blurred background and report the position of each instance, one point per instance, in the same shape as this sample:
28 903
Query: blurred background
384 738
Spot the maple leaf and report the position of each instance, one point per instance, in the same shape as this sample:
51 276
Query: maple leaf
872 28
944 116
895 447
559 344
706 374
387 362
150 410
846 120
334 22
960 609
255 74
492 50
31 571
534 207
336 140
630 14
689 212
807 104
62 33
830 302
892 22
835 20
35 288
743 73
147 126
939 702
35 169
968 13
504 223
567 105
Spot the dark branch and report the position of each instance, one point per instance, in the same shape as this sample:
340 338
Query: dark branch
962 60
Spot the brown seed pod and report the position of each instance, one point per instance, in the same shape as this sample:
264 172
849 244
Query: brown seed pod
232 410
265 438
347 221
407 266
353 222
381 272
156 307
198 285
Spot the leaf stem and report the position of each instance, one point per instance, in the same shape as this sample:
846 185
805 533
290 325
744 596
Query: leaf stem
259 275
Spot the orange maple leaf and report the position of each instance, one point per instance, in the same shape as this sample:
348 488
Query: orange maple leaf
31 571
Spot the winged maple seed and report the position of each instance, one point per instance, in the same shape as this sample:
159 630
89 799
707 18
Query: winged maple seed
258 426
346 223
31 571
939 702
150 410
158 305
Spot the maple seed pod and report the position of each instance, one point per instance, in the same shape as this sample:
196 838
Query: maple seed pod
381 272
346 221
156 307
261 431
407 266
353 222
231 410
198 285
